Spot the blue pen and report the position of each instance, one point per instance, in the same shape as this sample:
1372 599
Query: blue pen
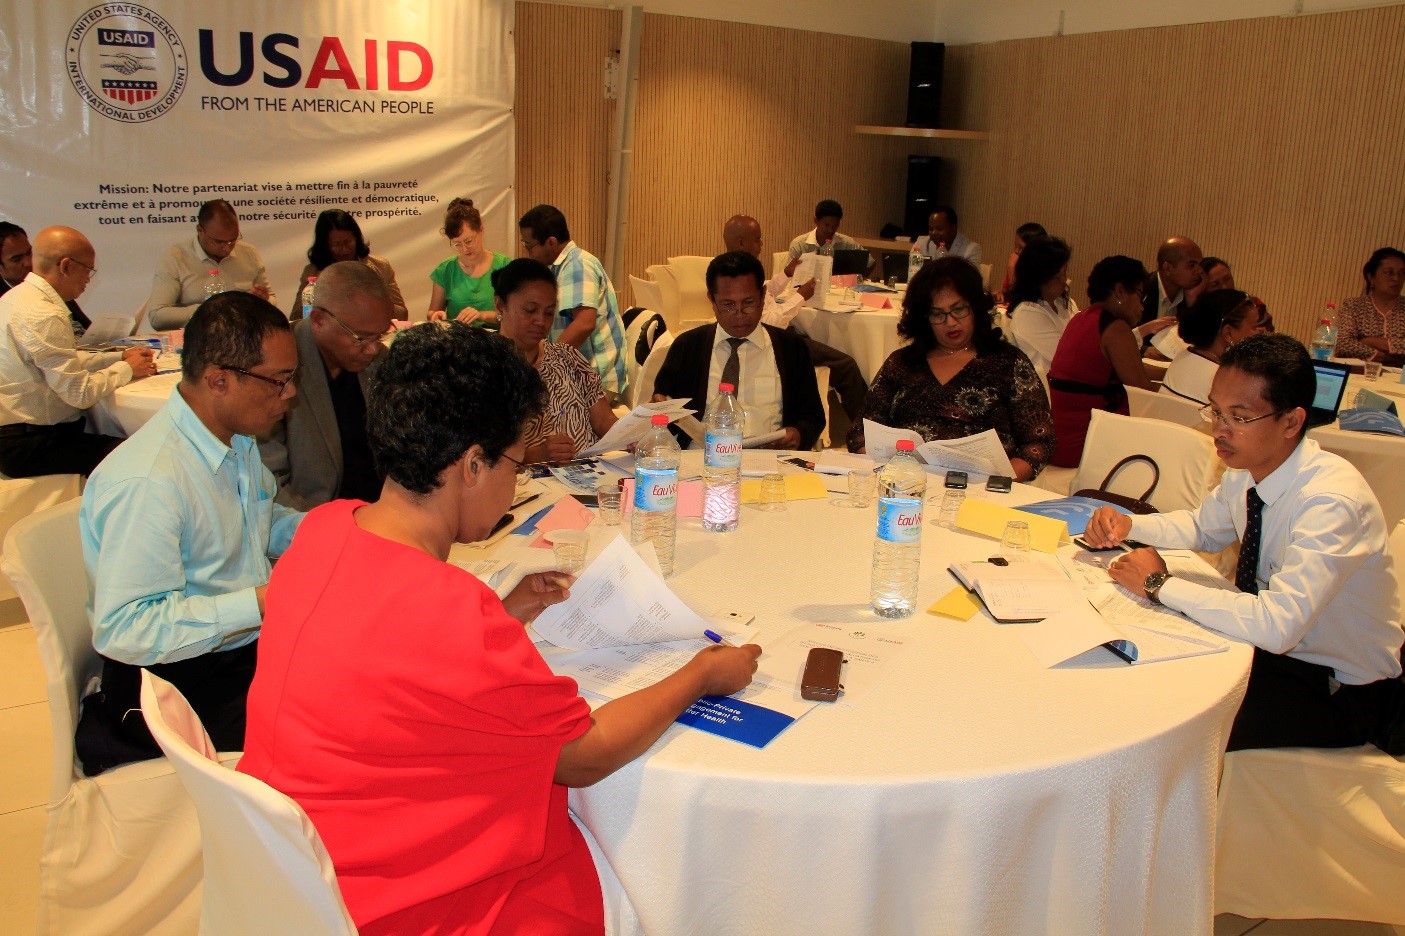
713 636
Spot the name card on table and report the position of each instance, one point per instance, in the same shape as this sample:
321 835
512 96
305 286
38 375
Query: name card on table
805 486
567 514
979 516
845 280
876 301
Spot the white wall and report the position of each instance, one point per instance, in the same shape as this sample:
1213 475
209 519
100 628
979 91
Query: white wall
959 22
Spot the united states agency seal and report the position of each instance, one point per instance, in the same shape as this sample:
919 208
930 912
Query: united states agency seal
126 62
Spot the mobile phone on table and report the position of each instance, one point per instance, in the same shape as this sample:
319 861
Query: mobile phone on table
1124 546
956 479
999 484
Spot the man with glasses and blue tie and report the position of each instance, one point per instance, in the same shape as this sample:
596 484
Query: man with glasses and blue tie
179 285
769 367
179 529
1316 594
319 451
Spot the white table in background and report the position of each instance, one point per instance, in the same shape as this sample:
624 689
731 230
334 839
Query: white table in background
128 409
867 335
972 791
1379 457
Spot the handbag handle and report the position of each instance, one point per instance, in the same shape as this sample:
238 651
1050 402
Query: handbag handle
1155 473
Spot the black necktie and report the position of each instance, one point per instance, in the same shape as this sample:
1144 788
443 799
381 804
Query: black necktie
1246 576
731 371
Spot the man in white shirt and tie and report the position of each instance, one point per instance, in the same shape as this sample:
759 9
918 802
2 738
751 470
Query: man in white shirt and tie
769 367
1317 596
178 287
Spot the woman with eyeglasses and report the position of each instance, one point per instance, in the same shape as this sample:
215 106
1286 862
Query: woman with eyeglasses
1372 325
577 414
1210 327
461 286
958 376
401 703
1098 356
335 238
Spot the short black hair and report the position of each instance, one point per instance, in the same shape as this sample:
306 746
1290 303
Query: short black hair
1110 272
9 229
947 210
228 330
732 264
213 207
1374 264
917 303
1200 323
1029 231
1209 263
334 219
1283 364
519 273
442 389
829 208
1040 261
546 221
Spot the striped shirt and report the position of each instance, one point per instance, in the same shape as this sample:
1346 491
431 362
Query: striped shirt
581 282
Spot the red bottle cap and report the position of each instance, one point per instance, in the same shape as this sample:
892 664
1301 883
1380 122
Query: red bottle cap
905 445
726 388
659 419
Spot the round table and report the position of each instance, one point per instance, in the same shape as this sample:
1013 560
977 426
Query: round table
1376 455
867 335
971 791
128 408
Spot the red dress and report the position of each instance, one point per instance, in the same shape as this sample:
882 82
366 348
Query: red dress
412 719
1081 379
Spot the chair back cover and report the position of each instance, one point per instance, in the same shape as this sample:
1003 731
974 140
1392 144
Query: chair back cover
266 870
1186 459
1167 406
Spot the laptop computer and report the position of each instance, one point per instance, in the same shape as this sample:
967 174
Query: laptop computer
851 261
1331 387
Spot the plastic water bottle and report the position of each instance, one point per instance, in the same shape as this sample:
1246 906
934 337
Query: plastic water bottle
941 250
215 284
1324 339
897 548
725 425
827 248
915 259
655 515
308 291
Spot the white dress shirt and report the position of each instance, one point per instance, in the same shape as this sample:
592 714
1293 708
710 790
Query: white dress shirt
758 381
178 287
1036 328
1190 376
780 310
960 246
1327 593
44 379
1168 340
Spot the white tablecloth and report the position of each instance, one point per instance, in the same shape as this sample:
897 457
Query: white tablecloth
1377 456
867 335
127 410
971 792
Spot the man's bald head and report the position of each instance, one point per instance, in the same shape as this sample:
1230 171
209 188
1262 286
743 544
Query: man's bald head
1178 263
65 259
742 232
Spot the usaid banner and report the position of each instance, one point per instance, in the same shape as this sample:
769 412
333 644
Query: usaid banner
120 119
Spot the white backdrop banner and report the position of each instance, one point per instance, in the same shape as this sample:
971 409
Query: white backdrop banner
121 119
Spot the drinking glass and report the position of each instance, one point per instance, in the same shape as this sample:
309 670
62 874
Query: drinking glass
950 507
1016 538
1373 370
861 483
568 548
607 495
772 492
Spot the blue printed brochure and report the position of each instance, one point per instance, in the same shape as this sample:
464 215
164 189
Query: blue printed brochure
1074 511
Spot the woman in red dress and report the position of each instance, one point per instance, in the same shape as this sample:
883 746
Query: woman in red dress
402 705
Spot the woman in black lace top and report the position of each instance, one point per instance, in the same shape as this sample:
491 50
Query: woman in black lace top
959 377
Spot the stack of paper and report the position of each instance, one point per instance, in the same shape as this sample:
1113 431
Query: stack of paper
979 455
1151 639
1019 592
632 426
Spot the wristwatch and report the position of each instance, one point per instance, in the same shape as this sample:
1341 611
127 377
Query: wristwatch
1152 585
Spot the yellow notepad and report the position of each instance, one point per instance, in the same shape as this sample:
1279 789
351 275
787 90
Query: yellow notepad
979 516
958 603
804 486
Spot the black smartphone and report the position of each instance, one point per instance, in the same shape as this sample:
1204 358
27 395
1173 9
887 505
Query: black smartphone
956 479
999 484
1081 543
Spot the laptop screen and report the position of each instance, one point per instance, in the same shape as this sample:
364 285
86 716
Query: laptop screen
1331 387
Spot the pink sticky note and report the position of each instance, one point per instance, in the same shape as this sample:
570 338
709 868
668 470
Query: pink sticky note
689 497
846 280
568 514
875 301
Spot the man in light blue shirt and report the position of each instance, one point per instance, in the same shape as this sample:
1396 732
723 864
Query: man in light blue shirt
587 312
179 526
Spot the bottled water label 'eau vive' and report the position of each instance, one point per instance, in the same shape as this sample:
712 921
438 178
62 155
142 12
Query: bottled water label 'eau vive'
655 514
897 545
722 461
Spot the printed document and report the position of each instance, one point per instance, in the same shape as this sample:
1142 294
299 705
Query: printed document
979 455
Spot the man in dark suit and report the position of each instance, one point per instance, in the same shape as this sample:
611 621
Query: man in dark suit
770 367
17 259
1169 290
318 451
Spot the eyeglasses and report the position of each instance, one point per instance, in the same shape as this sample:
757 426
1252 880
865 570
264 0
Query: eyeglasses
282 385
524 472
465 243
92 271
1212 416
959 313
530 246
748 306
357 336
222 243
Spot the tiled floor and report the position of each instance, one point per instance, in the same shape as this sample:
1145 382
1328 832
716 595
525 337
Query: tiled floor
25 749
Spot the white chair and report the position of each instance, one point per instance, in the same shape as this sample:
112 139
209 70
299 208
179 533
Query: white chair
1185 457
780 259
1313 833
121 851
20 497
266 870
1145 404
694 308
669 307
646 293
985 274
649 371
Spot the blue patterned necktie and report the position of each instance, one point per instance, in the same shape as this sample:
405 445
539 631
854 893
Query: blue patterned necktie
1246 576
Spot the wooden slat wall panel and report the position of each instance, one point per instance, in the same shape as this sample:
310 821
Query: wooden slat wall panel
563 118
1275 143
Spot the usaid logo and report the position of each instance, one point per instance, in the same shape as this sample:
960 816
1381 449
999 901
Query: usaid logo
126 62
